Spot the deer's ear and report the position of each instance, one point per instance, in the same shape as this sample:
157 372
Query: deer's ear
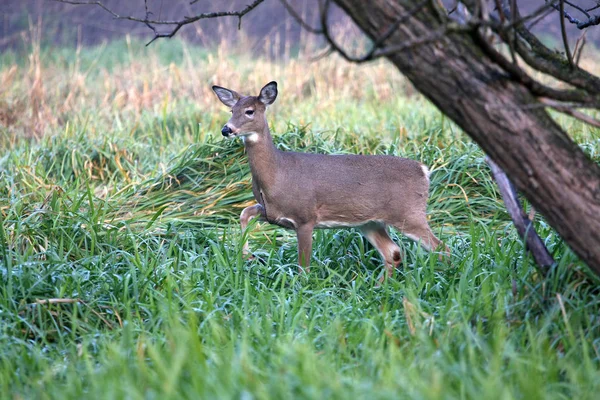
227 97
268 94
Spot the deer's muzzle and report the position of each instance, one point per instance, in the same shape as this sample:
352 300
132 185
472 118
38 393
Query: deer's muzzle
226 131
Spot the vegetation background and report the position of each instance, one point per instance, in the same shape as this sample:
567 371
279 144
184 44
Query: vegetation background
120 255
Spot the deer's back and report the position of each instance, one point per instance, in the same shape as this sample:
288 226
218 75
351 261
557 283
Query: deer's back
349 188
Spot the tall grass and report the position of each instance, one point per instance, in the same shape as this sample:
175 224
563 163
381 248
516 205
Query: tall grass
122 274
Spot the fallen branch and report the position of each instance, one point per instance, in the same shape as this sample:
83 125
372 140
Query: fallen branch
524 226
76 301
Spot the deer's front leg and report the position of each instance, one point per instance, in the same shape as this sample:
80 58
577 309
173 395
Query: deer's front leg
247 214
304 234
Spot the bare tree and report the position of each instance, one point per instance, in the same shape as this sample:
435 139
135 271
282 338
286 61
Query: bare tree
468 59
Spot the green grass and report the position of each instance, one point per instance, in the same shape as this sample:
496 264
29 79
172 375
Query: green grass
121 266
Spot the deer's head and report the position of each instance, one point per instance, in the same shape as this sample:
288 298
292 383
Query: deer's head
247 112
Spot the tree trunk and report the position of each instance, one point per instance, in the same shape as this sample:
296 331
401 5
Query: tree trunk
501 115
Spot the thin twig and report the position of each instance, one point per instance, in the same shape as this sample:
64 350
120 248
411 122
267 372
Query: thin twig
539 57
117 315
567 109
299 19
572 105
594 8
325 53
536 87
575 6
539 18
73 301
454 7
56 301
581 41
177 23
430 38
513 17
373 53
500 11
591 21
563 31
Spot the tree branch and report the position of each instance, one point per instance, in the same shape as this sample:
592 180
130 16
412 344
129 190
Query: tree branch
524 226
581 41
299 19
545 60
177 23
534 86
591 21
568 109
537 55
595 7
575 6
563 32
376 50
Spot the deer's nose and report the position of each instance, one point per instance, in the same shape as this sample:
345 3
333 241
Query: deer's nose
226 131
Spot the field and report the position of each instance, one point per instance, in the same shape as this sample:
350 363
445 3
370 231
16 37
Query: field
120 249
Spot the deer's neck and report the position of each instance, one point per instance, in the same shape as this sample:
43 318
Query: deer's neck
262 156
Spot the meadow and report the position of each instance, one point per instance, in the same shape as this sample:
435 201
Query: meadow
120 249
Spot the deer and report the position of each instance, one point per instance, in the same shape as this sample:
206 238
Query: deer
308 191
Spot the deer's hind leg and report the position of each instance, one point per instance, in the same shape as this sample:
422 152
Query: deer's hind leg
247 214
377 234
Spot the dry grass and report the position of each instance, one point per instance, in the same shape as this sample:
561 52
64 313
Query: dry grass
39 94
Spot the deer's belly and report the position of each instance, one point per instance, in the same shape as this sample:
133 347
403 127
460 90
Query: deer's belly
284 222
339 224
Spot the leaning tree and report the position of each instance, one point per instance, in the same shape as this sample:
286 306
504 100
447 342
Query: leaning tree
473 59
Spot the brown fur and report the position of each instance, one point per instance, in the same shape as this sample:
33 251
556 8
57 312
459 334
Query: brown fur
304 191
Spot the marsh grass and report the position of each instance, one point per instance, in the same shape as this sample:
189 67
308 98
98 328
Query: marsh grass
122 274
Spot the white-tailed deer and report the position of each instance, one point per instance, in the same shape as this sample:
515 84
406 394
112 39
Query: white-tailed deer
304 191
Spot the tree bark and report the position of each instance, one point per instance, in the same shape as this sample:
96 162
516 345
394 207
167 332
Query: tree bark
500 114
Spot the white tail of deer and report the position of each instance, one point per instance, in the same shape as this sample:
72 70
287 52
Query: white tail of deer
303 191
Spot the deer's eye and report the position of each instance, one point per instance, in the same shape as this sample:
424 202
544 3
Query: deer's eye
249 112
